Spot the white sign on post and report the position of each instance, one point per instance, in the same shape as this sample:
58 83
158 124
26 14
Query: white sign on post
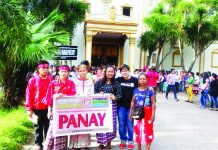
82 115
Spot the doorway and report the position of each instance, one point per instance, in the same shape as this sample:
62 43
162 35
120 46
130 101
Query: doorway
103 54
106 48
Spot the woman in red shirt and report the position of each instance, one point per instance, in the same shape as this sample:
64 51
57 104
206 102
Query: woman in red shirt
58 88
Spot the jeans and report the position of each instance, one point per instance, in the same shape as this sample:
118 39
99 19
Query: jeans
125 124
177 86
203 98
213 99
173 88
160 87
182 89
42 127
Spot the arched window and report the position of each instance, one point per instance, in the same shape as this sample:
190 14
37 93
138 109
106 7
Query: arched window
177 59
214 58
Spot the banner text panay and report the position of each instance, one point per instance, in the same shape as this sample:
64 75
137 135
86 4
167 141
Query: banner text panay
82 115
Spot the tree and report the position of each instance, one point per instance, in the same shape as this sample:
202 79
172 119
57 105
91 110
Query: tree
14 37
148 42
166 29
43 39
74 11
23 42
179 19
200 26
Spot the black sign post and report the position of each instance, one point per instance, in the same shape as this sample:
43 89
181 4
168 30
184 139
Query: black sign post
67 53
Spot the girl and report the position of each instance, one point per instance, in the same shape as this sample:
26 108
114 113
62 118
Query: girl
204 90
143 128
213 91
109 85
58 88
84 86
190 82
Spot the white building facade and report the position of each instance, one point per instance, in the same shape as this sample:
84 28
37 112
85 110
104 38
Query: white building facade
110 33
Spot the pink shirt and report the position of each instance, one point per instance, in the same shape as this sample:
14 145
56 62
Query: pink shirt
152 77
57 87
36 92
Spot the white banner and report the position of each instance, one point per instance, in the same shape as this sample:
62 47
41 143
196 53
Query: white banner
82 114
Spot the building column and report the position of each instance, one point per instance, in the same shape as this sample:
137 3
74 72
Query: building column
143 58
89 47
132 42
121 56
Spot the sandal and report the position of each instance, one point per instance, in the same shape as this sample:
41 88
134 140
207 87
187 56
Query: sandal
100 147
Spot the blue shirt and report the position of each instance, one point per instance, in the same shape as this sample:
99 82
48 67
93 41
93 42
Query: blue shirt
141 96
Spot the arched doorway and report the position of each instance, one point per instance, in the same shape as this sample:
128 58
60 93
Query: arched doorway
106 48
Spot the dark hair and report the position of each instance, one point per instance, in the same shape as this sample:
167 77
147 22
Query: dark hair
136 70
209 73
214 75
85 62
72 68
153 68
172 70
205 76
201 75
104 79
42 62
192 73
124 66
197 73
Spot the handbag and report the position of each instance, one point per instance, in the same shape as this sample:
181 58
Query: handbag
138 111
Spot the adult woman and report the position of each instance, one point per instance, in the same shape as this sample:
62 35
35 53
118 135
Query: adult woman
152 77
190 83
128 84
84 86
109 85
143 128
97 74
160 82
196 84
213 91
58 88
204 90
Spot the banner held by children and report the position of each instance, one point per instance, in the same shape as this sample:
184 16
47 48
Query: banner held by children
82 115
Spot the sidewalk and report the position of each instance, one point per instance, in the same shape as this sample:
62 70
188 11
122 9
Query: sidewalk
178 126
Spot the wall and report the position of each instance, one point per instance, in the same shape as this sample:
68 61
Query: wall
79 40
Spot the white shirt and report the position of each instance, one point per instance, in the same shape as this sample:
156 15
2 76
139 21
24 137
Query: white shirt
171 79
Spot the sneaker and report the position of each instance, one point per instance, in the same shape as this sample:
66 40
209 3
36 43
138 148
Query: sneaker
177 99
166 97
211 109
202 107
130 146
122 145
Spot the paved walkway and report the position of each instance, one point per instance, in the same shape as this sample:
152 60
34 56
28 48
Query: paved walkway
178 126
